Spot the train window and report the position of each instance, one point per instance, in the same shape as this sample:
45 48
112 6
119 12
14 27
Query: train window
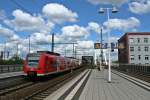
55 63
32 63
33 60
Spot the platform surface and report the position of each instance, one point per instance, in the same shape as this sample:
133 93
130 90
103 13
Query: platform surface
10 74
98 88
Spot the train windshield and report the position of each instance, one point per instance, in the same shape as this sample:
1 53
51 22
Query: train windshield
33 60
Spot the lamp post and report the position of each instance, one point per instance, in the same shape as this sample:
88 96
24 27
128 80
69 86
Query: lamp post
114 10
101 40
100 57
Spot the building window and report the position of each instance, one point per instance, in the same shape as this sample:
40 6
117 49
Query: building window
131 40
146 48
139 57
139 48
146 63
138 40
131 48
146 57
145 40
132 57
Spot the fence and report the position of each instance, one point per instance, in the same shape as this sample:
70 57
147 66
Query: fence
10 68
133 68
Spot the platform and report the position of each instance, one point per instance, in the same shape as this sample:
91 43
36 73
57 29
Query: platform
11 74
97 88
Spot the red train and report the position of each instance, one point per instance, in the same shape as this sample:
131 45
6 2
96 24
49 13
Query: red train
44 63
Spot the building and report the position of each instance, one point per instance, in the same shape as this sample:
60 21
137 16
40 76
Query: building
134 48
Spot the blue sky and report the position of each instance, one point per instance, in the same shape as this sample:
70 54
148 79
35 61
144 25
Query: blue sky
71 20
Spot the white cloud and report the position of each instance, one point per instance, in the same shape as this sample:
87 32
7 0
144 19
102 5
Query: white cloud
15 37
2 15
40 38
6 32
122 24
74 31
26 22
93 26
140 7
59 13
86 44
83 47
114 39
114 2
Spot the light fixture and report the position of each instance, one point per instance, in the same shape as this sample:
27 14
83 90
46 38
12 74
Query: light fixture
101 10
114 10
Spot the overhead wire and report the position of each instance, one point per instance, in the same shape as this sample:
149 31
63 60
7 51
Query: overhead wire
20 6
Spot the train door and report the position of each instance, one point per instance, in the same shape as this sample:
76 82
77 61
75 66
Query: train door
46 65
51 64
58 64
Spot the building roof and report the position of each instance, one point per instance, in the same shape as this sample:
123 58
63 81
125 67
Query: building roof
138 33
134 33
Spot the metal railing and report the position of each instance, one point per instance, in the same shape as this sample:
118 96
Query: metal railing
133 67
10 68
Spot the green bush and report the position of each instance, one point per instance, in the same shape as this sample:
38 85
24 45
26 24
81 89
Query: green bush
12 61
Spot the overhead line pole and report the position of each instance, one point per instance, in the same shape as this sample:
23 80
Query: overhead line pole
17 49
53 44
101 47
52 48
29 44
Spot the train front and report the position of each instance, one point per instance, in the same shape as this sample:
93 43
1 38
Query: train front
31 66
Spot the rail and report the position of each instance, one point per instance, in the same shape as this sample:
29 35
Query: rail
39 88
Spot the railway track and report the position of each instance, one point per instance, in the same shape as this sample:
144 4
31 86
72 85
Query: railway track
39 90
139 75
144 85
10 82
142 76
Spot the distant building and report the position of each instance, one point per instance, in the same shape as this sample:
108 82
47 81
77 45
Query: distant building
134 48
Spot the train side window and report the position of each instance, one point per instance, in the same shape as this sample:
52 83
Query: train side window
54 64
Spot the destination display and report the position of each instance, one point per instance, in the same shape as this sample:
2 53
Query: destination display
33 58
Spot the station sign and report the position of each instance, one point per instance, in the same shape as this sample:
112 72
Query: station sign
105 45
121 46
97 46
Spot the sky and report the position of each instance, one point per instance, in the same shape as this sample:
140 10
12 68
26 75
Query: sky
72 21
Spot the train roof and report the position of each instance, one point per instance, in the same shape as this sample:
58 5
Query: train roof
38 53
48 52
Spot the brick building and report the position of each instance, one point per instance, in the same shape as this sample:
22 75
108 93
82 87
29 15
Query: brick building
134 48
